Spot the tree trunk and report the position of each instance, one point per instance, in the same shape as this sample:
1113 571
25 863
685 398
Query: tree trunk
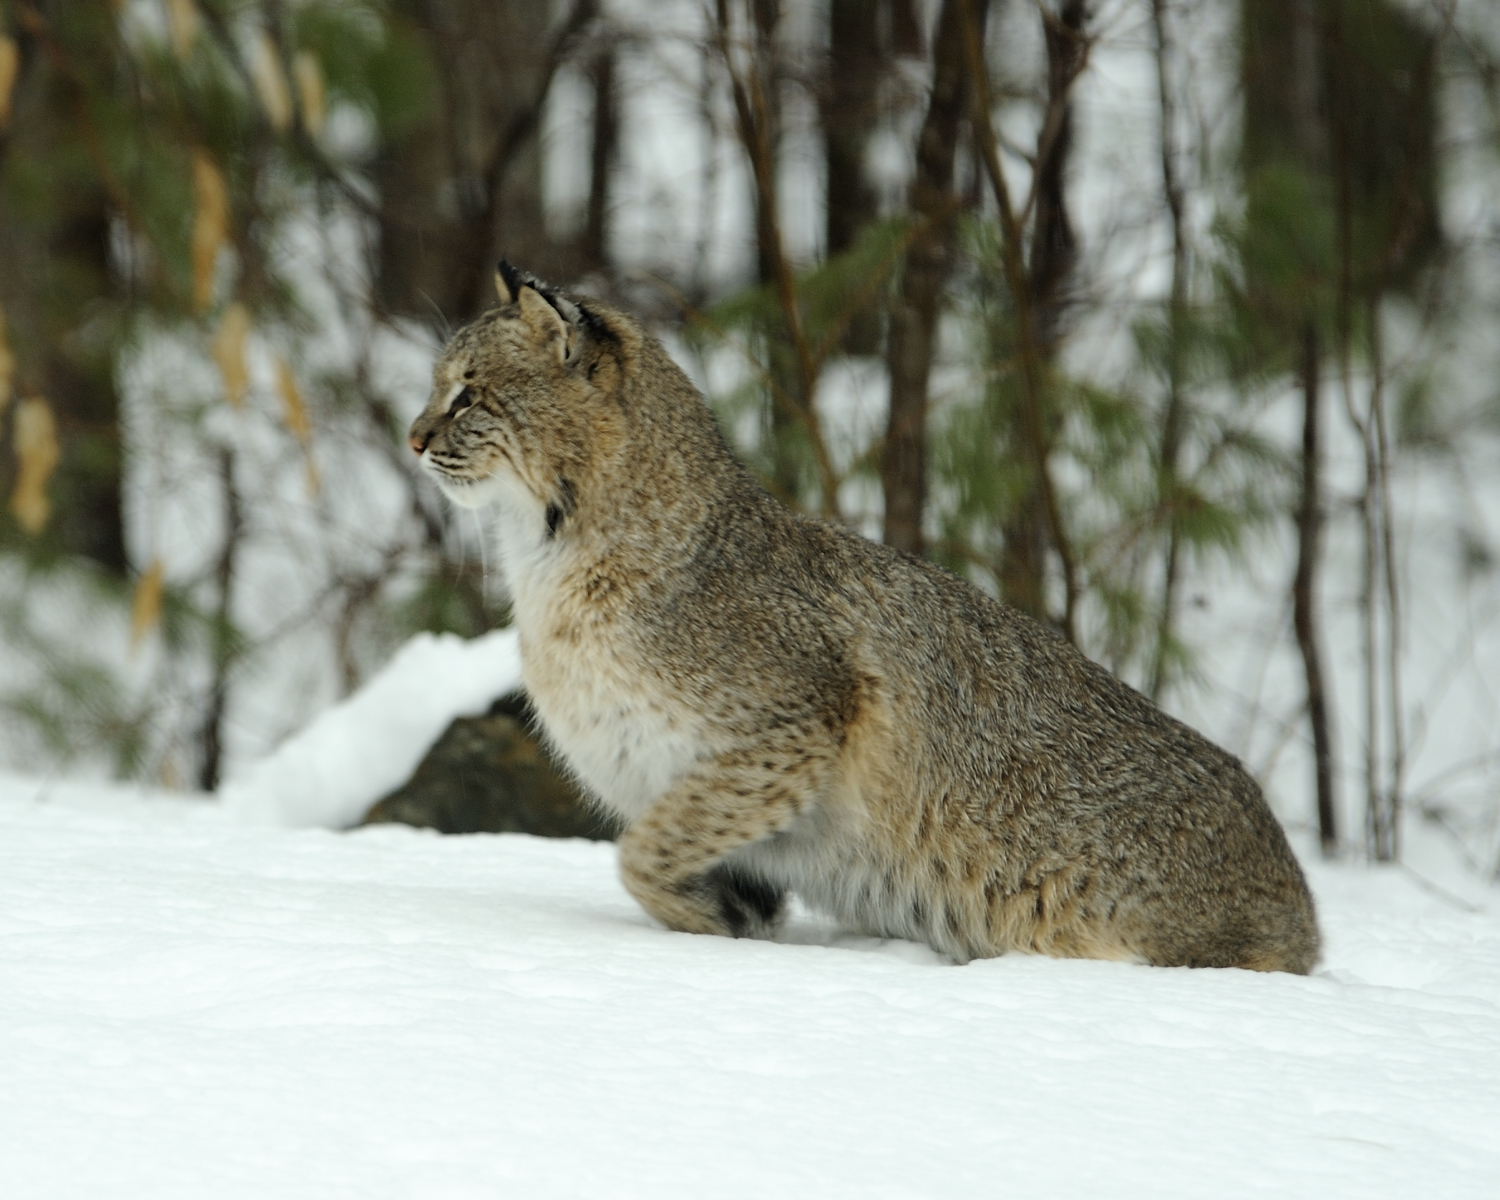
1380 435
760 132
604 145
463 183
1054 250
79 383
1170 445
913 320
787 473
1304 591
794 366
56 278
851 98
1054 245
222 634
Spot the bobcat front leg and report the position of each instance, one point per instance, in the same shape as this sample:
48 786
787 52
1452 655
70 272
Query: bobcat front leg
672 859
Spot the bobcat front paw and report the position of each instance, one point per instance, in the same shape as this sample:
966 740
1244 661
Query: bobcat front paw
720 900
687 909
750 906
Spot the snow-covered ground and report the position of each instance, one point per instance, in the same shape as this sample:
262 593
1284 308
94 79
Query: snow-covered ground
192 1006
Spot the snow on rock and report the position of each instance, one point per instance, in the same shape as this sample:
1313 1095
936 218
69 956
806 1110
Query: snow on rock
362 748
191 1007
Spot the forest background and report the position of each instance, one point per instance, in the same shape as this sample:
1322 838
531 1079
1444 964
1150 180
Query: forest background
1171 322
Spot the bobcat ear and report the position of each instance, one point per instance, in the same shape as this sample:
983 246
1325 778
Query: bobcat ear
547 323
507 282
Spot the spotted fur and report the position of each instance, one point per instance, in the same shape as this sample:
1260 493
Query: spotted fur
773 704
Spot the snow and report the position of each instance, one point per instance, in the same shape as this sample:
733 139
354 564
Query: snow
355 752
194 1006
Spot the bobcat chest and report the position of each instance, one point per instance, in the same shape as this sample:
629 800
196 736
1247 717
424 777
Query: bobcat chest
625 744
623 736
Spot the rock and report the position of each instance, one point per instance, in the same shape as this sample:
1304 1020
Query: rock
490 775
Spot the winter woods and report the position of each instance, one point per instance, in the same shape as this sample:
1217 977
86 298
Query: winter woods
1169 322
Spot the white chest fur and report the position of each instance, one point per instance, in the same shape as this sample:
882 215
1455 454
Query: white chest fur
624 742
624 747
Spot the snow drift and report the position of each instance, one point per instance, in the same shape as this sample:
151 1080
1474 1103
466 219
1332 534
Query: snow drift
358 750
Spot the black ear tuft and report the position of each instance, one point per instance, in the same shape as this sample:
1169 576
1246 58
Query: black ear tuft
563 308
512 278
595 325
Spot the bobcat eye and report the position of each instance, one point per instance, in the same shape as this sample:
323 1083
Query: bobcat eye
461 401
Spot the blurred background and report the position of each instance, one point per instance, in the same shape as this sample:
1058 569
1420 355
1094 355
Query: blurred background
1175 323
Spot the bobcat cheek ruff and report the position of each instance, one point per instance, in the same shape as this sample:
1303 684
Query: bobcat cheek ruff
773 704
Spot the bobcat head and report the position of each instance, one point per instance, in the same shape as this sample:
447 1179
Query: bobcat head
525 407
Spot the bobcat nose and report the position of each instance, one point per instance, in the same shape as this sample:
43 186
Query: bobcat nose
417 441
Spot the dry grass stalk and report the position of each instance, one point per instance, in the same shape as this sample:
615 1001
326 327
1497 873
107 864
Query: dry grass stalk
145 604
37 453
270 82
210 226
291 402
311 92
7 367
229 352
183 20
10 66
295 412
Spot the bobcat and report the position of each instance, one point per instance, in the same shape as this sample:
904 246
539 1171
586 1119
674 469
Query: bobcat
772 704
